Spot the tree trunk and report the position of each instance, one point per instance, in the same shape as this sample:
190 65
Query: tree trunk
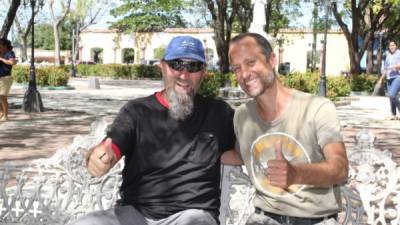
314 43
222 51
365 22
244 15
222 46
351 37
370 58
12 11
268 11
379 56
57 22
24 49
354 62
222 34
56 45
77 41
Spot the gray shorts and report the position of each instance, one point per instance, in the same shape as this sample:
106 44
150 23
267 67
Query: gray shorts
128 215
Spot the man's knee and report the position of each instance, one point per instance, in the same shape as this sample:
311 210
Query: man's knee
115 216
195 216
258 219
90 219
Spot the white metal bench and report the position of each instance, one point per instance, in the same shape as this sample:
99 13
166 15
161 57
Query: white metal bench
59 189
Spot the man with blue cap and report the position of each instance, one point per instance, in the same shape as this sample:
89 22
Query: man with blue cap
172 142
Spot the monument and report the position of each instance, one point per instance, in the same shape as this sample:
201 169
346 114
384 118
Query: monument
259 22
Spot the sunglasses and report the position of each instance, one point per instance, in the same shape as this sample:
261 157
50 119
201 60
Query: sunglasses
190 66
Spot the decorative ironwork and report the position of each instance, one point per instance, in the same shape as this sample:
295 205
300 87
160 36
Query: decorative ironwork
59 189
371 195
375 177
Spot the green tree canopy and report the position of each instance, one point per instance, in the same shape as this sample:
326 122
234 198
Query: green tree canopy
149 15
159 52
44 38
279 13
366 19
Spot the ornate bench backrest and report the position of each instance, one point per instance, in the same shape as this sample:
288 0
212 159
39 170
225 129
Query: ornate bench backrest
59 189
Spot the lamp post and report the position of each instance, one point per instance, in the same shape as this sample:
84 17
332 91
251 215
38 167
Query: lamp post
322 82
73 72
32 101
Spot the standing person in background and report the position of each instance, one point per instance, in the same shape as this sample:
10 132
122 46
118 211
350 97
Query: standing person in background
290 141
7 60
391 71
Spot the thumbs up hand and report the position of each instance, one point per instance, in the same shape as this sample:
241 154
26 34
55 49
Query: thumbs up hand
279 171
278 151
101 158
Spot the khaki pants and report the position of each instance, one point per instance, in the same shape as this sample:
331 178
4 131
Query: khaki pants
5 85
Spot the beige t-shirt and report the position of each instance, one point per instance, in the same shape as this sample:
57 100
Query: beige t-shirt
307 124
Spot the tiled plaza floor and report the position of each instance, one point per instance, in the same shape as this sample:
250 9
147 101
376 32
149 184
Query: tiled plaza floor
70 112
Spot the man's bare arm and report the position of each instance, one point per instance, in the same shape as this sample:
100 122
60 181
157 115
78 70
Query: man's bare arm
333 170
232 158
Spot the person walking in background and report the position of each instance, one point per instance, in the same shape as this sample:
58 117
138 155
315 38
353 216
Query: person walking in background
290 141
7 60
391 70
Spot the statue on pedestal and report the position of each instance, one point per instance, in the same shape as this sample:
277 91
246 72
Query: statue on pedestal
258 14
259 22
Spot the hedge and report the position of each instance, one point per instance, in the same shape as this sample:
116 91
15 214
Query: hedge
211 84
336 87
45 76
117 71
363 82
307 82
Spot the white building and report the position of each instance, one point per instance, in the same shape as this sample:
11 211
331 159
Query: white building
109 46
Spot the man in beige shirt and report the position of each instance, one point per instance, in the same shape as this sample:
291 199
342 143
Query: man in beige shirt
289 140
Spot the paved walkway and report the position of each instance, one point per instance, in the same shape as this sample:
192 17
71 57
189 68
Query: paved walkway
70 112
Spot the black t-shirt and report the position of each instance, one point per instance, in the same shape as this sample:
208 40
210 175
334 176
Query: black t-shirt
171 166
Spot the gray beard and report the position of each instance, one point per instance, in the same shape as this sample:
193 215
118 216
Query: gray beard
180 105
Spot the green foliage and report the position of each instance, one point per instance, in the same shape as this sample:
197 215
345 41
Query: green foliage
20 74
363 82
337 87
128 55
159 52
148 15
57 76
120 71
232 79
211 84
281 14
392 22
45 76
97 55
44 38
147 71
309 82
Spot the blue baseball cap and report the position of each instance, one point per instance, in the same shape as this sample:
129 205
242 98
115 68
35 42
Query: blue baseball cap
185 47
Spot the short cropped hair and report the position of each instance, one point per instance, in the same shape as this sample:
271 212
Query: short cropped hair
261 41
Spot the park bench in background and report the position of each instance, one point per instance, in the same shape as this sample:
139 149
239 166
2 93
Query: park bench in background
59 189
